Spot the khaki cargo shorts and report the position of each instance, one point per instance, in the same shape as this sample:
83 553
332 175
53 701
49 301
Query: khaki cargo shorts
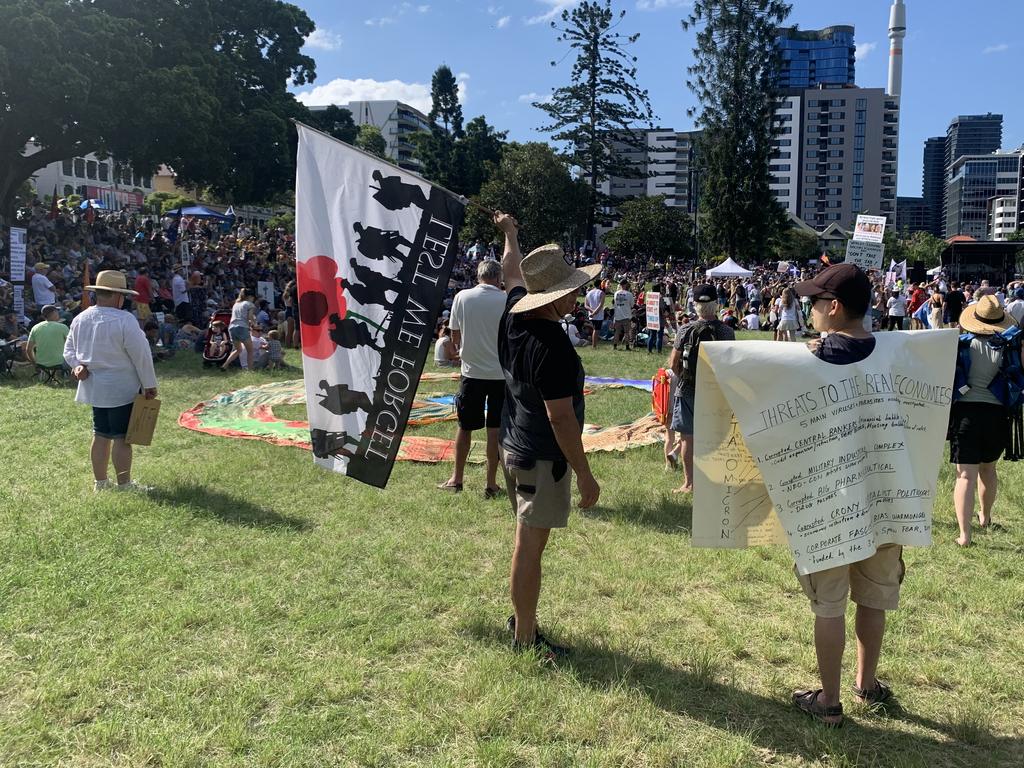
540 491
873 583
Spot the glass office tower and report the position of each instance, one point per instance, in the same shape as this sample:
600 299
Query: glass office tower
813 57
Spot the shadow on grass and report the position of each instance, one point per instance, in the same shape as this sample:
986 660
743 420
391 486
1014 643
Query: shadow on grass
672 513
696 692
226 508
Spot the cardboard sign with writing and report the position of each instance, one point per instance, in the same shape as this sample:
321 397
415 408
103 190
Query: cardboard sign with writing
653 306
143 421
842 458
865 254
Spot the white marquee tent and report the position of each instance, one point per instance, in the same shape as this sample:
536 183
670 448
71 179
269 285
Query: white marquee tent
729 268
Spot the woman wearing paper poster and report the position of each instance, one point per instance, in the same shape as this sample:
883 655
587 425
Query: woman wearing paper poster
840 297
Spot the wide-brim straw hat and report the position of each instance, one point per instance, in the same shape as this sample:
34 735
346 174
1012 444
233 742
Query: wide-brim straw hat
549 277
985 317
112 280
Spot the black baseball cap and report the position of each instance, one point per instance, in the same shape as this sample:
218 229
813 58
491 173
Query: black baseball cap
705 292
847 283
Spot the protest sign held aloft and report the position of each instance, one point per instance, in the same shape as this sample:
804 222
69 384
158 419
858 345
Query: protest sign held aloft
847 455
374 249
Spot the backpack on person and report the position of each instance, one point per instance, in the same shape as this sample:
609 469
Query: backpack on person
1007 385
702 330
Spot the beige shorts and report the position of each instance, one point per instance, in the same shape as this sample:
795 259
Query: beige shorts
873 583
540 491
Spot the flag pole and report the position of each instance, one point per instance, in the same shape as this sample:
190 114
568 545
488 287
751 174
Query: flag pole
461 198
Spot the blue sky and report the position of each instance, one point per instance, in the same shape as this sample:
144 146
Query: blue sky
501 52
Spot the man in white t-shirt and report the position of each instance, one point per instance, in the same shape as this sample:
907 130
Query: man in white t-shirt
1015 307
594 303
474 320
897 306
623 317
179 295
42 288
752 322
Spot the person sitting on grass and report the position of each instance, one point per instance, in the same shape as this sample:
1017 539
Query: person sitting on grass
445 353
840 296
45 345
275 351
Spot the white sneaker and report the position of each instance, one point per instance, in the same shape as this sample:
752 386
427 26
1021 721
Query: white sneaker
131 485
101 485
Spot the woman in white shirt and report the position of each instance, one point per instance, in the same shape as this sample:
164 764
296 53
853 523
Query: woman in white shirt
897 306
790 317
241 318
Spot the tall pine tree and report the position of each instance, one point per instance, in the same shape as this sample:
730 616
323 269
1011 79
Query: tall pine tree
599 111
735 80
479 152
436 148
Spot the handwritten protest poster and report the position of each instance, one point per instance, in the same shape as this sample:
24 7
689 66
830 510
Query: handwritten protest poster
653 307
849 454
729 492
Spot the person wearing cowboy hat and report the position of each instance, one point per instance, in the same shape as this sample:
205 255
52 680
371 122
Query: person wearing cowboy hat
978 426
110 358
542 420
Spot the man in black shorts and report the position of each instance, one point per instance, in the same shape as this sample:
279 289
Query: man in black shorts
953 303
474 319
542 424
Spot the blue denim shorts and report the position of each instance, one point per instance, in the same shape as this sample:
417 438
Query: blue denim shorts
239 333
111 423
682 415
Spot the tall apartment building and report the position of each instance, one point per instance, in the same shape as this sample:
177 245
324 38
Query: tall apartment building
912 215
837 154
813 57
974 181
933 183
396 120
1003 217
973 135
666 165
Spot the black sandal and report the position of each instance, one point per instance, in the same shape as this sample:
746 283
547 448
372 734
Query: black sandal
807 702
876 697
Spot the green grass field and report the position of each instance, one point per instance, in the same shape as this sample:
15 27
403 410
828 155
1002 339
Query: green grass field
257 611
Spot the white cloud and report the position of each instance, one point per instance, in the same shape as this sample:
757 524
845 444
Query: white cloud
383 21
503 21
422 8
324 40
863 49
658 5
531 97
555 8
997 48
342 91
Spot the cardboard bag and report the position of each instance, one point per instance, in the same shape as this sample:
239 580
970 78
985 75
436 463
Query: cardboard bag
143 421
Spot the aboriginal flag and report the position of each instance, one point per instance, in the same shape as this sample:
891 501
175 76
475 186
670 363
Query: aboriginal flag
374 247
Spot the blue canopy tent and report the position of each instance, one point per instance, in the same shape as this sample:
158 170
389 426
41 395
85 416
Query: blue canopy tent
93 202
198 211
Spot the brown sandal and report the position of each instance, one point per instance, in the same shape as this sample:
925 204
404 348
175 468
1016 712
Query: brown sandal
807 701
874 698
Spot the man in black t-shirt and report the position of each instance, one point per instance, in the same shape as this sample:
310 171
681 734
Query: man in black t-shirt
542 420
953 304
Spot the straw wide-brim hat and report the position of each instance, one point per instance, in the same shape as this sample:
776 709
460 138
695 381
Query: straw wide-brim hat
549 277
112 280
985 317
41 266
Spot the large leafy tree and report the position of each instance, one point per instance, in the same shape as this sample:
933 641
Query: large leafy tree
479 152
436 148
734 77
926 247
372 140
652 230
198 84
533 184
336 121
599 111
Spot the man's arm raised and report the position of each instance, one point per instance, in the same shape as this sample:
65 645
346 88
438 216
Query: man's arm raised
511 259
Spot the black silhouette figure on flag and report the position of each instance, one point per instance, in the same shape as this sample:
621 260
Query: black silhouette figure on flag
340 400
378 244
394 194
327 444
352 332
372 287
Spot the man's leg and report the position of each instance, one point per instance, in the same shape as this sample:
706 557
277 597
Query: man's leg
492 457
988 484
525 578
963 499
686 451
122 455
829 644
100 455
463 440
870 629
